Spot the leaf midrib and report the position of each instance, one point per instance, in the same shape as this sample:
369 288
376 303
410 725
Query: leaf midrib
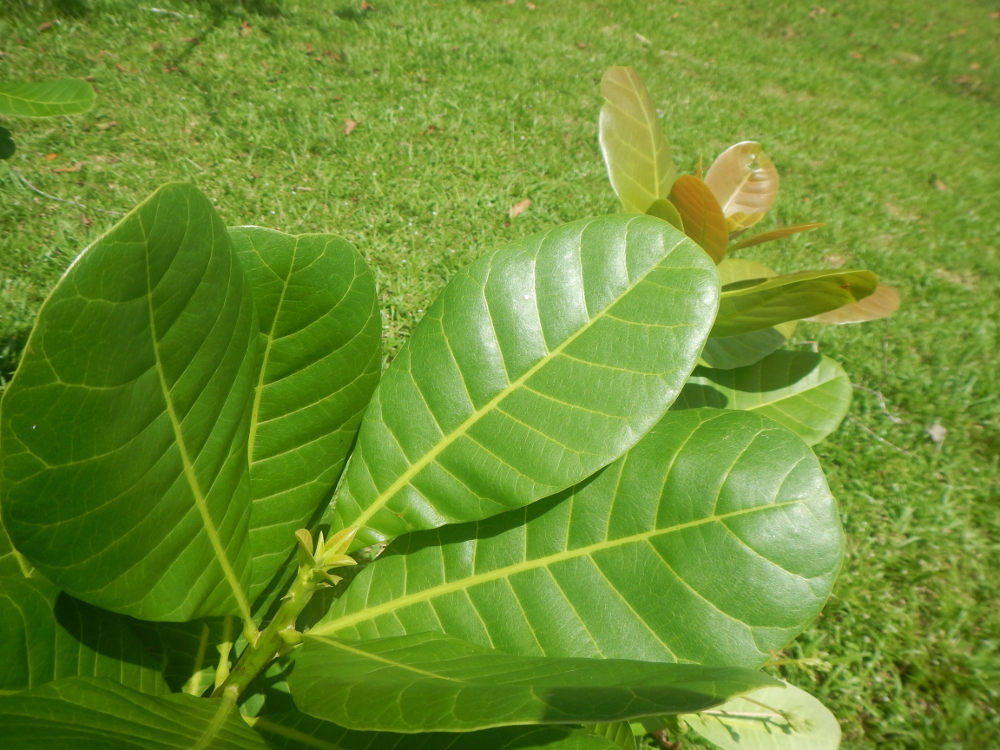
428 458
190 475
369 613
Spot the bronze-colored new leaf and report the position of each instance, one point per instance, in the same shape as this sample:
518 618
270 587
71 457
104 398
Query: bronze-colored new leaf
881 303
635 152
775 234
744 181
701 214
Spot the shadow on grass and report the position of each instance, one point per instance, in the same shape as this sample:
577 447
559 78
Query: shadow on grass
11 347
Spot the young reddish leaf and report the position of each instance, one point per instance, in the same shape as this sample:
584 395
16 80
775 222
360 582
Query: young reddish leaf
744 181
881 303
701 214
775 234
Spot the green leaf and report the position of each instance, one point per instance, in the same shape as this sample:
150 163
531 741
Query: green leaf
806 392
744 181
536 366
635 152
7 147
99 714
320 345
124 430
744 349
619 733
722 516
294 731
769 718
664 209
754 306
881 303
46 99
701 214
46 635
432 682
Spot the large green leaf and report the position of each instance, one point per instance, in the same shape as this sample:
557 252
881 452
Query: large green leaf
636 153
124 430
753 306
297 731
744 349
433 682
744 181
769 718
99 714
714 540
806 392
320 346
45 635
536 366
45 99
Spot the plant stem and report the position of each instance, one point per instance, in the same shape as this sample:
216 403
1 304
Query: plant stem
274 639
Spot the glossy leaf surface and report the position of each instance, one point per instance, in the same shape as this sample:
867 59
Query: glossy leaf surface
123 432
99 714
881 303
744 181
296 731
770 718
433 682
46 99
45 635
744 349
701 214
536 366
635 152
714 540
806 392
320 349
788 297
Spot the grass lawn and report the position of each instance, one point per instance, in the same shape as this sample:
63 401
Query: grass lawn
412 129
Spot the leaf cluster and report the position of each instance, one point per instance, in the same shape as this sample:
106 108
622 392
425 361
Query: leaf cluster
544 525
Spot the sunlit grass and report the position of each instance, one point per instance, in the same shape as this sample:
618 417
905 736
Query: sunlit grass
881 120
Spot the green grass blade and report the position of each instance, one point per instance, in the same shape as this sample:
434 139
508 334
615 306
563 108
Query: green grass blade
123 432
536 366
432 682
722 515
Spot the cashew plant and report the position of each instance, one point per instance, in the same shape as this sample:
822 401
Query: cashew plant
225 527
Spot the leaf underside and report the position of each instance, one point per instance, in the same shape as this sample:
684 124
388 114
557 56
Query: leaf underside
536 366
46 99
320 350
123 432
701 214
433 682
635 152
713 541
99 714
